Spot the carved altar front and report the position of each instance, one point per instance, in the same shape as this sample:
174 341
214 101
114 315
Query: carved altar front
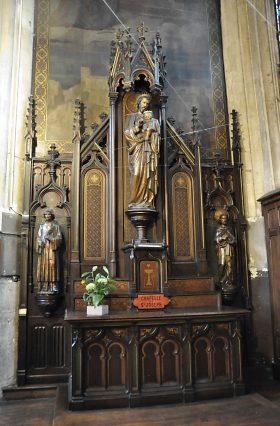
130 360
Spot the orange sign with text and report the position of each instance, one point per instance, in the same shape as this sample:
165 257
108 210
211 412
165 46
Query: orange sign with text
151 301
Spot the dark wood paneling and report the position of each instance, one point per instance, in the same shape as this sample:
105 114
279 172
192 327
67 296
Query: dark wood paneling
271 213
38 347
57 343
48 353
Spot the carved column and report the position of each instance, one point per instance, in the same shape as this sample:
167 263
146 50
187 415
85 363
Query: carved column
26 257
112 184
163 100
202 266
76 377
202 244
75 231
243 273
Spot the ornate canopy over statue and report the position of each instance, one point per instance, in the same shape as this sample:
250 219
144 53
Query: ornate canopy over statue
128 67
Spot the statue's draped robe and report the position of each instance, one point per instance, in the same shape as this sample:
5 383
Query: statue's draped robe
48 242
143 161
225 241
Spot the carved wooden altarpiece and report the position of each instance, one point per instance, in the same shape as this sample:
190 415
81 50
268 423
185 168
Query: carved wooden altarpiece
193 346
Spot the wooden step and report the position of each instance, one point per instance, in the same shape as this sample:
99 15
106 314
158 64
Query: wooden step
176 285
122 287
11 393
190 285
192 300
211 299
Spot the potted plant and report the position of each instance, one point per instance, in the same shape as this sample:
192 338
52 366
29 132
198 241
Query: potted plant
97 287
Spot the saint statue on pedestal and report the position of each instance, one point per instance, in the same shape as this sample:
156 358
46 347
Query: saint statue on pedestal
225 241
142 133
48 242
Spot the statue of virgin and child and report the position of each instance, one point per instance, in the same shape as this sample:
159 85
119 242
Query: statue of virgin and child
142 133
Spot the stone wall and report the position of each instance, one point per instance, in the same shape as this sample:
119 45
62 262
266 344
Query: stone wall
250 59
16 42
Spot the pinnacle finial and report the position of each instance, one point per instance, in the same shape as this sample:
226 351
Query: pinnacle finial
141 29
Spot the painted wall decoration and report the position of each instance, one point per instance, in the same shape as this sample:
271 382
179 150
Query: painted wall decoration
73 52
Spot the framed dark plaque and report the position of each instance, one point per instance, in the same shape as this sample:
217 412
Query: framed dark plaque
149 275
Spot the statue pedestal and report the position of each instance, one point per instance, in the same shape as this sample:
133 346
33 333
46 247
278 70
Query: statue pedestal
228 293
142 219
146 261
147 265
48 302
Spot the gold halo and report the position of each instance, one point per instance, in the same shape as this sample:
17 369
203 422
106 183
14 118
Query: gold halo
131 99
143 96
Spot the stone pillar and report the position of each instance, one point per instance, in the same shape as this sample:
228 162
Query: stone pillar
16 46
250 59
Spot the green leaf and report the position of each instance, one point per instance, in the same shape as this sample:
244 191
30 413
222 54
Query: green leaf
86 297
98 276
94 268
96 299
106 269
85 274
91 287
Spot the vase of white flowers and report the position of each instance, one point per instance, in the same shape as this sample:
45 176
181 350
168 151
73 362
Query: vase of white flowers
97 286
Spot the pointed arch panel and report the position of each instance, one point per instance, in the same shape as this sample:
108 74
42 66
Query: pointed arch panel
182 216
94 208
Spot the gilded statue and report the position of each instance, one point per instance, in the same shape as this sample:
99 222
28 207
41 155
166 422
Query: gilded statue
142 133
225 242
48 242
